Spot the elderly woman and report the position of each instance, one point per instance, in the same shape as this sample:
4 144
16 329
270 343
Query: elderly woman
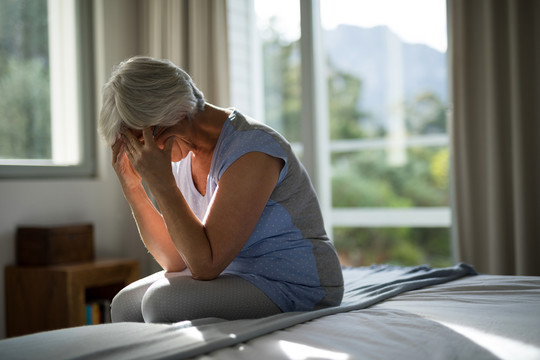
236 207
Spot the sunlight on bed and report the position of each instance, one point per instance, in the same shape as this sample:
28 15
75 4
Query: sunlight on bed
187 329
195 334
295 351
502 347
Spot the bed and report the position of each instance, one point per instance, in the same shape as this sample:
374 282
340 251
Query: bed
388 312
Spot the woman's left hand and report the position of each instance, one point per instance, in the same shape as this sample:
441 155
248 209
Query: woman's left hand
152 163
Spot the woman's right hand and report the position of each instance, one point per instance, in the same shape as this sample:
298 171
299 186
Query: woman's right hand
151 226
127 175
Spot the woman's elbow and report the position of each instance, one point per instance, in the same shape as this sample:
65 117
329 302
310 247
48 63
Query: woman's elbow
205 272
204 275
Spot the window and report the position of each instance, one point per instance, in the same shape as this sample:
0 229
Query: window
46 93
387 91
379 110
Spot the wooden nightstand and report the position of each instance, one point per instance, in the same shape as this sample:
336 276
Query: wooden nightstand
52 297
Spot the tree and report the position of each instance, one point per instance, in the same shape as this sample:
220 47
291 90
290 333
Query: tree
344 91
282 85
426 115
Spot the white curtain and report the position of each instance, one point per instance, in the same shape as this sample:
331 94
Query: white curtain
193 35
495 127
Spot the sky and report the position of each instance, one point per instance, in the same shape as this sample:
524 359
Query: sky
415 21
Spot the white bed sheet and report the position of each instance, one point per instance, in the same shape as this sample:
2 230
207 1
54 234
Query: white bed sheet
500 313
477 317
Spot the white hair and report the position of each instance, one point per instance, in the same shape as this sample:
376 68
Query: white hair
143 92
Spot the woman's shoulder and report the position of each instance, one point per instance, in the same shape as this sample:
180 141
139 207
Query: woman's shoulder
241 123
242 134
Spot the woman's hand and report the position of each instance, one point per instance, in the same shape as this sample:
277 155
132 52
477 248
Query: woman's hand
147 159
151 225
128 177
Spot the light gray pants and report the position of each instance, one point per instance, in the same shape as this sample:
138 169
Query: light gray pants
172 297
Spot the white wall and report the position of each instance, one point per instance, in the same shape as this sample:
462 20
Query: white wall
97 200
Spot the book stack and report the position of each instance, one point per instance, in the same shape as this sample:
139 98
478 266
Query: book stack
98 312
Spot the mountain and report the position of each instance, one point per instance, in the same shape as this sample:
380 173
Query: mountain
390 68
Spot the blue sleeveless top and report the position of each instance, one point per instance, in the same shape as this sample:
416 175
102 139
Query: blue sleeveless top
288 256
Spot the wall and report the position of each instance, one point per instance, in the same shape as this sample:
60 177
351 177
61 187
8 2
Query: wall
97 200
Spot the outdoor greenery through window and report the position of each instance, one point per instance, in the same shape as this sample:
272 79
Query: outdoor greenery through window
387 91
46 91
386 78
25 123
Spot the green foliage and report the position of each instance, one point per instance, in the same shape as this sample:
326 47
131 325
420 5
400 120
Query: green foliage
398 246
366 179
344 92
351 190
439 169
23 29
25 131
282 86
426 115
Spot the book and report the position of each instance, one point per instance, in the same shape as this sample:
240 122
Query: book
98 312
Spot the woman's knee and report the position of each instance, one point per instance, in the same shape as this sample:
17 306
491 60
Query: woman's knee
126 305
161 303
183 298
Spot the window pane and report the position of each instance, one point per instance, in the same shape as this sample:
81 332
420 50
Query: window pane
25 121
398 246
278 24
46 88
387 88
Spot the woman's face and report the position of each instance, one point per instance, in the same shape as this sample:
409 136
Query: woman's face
161 135
180 147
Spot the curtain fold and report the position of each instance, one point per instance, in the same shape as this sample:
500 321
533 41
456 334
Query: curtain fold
495 130
193 35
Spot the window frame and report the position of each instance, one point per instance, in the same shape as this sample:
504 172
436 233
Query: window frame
32 169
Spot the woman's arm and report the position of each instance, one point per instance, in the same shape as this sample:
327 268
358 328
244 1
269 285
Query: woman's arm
153 231
236 207
244 189
150 223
